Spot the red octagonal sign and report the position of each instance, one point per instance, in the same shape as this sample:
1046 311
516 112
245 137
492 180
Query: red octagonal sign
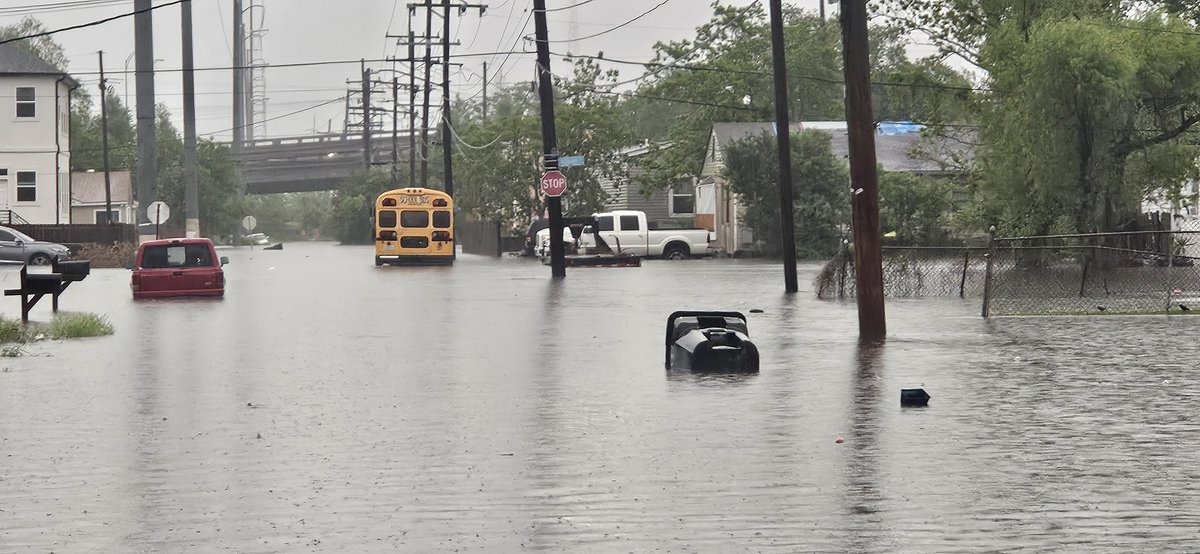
554 183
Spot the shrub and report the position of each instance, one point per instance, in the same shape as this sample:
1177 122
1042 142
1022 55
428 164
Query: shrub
106 255
70 326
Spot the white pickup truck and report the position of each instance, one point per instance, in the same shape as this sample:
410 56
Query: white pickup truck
626 232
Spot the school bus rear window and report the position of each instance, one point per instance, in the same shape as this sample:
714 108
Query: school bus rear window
387 218
414 219
441 219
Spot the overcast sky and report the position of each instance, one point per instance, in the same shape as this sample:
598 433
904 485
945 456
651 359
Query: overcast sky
329 30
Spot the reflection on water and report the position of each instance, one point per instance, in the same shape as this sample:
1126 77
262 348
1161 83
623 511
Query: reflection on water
329 405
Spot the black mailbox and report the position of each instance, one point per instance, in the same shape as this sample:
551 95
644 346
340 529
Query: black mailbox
43 283
72 270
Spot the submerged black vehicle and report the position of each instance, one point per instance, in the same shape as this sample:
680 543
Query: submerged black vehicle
710 342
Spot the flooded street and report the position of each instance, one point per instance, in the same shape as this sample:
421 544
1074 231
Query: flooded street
327 405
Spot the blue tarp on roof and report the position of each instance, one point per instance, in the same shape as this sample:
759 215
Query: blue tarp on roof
889 128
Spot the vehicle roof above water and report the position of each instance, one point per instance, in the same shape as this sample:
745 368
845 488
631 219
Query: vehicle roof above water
169 242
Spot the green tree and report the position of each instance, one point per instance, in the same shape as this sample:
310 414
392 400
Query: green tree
498 160
725 74
44 47
1081 98
291 216
354 204
87 150
821 206
919 209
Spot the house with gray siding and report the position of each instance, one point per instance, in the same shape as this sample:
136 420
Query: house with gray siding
896 149
673 207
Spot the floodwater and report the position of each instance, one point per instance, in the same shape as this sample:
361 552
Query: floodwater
326 405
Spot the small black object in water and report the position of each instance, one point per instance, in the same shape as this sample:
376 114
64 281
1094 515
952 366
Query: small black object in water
276 246
710 342
914 397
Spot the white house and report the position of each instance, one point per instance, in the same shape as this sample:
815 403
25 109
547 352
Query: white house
35 138
88 202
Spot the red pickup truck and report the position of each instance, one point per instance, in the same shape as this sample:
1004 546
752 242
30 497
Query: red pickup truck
178 267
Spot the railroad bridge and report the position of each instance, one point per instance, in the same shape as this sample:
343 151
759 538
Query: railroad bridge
311 163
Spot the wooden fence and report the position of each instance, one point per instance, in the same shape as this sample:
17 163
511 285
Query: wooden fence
82 234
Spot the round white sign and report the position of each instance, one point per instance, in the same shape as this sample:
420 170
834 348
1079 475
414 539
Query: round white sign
248 223
158 212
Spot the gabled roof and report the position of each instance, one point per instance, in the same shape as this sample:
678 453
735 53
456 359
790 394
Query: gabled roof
88 187
15 60
894 143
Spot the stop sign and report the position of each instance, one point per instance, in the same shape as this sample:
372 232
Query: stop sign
554 183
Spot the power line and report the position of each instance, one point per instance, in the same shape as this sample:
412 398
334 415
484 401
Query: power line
93 23
606 31
322 104
548 10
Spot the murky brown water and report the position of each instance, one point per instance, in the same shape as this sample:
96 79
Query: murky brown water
328 405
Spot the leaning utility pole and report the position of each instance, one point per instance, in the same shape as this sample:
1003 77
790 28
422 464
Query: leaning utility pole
784 143
104 142
558 266
191 195
147 162
864 181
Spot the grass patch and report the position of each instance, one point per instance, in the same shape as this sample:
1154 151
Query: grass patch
11 331
14 336
73 326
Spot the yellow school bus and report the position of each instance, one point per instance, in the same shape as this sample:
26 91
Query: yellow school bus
414 226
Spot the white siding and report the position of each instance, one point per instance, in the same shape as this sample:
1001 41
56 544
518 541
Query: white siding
28 144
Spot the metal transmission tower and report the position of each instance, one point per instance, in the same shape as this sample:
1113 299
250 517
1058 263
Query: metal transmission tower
256 75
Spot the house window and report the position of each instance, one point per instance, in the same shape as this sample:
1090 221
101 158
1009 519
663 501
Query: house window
683 199
26 104
26 186
113 216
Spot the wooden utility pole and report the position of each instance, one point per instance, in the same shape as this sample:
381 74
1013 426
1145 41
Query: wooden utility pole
558 266
447 137
784 144
395 129
425 103
104 142
366 104
412 110
485 83
191 193
864 182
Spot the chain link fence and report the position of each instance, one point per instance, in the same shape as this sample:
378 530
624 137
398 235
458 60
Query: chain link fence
1137 272
912 272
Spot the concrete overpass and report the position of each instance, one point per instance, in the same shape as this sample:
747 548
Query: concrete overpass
311 163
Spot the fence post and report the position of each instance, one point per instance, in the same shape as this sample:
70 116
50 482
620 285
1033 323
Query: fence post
962 284
1170 260
987 277
842 272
